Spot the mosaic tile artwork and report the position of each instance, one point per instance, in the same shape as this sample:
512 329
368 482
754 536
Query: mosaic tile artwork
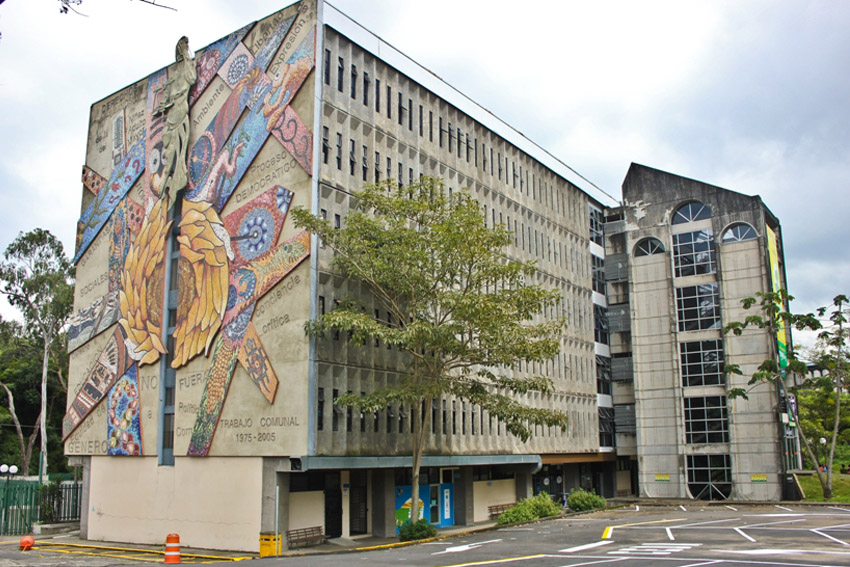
110 365
92 180
247 285
154 127
209 62
124 428
92 320
99 210
225 265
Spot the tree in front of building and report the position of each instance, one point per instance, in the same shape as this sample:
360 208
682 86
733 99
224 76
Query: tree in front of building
829 354
37 279
461 311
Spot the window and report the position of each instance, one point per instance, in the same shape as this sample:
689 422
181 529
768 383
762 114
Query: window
326 71
739 232
706 420
596 222
339 151
366 82
690 212
410 114
377 95
598 274
377 166
600 317
451 136
340 70
648 247
389 101
320 410
326 144
353 81
698 307
365 162
400 107
352 161
430 125
606 427
693 253
702 363
603 375
335 410
710 476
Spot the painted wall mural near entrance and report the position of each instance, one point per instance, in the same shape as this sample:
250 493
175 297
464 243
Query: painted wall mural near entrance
183 268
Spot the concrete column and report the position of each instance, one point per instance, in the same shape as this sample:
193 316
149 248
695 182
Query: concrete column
523 485
84 463
383 503
464 499
268 509
345 481
283 506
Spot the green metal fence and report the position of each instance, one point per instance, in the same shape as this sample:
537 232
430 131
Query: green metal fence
22 504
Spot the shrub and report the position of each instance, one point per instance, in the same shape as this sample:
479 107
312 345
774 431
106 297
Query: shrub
530 509
410 531
581 500
544 506
522 511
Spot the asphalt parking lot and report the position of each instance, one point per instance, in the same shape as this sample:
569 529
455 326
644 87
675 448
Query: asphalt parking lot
686 535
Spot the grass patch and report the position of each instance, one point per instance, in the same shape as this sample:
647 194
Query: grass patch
814 492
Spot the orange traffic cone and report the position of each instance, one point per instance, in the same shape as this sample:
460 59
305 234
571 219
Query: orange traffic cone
172 548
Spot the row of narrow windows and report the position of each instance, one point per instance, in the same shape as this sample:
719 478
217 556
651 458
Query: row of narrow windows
446 418
439 130
559 366
527 238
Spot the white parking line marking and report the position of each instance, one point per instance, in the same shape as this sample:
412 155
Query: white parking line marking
683 508
586 546
611 560
744 535
784 508
816 531
733 509
670 534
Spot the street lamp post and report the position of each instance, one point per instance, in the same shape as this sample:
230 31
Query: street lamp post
8 472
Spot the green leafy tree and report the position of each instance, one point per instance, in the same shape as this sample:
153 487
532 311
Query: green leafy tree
460 310
830 323
37 279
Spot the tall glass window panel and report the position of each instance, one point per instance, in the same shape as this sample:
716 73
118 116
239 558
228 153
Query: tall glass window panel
698 307
710 477
693 253
702 363
706 420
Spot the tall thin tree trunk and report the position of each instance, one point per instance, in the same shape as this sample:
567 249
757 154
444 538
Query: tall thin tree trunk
42 464
420 429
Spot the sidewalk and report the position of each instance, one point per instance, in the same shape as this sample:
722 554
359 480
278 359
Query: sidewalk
86 551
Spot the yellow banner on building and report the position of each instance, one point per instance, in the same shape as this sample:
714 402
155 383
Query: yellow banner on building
776 285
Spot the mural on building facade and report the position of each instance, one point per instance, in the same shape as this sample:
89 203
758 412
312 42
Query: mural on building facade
225 264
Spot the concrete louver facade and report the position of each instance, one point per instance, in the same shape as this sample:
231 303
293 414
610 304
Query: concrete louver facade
196 403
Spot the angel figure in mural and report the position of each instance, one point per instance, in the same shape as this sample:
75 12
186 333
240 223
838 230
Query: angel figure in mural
175 101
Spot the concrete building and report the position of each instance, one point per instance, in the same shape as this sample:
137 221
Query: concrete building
196 402
681 256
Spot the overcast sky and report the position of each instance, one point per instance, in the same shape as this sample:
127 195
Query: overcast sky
753 96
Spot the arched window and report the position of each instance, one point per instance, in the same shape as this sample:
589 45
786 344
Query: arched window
690 212
648 247
739 232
